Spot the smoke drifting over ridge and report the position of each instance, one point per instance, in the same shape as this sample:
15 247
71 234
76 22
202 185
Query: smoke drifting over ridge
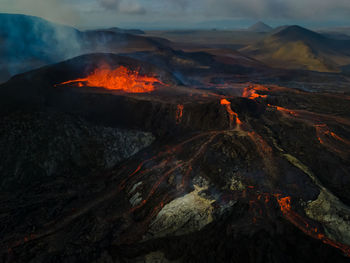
28 42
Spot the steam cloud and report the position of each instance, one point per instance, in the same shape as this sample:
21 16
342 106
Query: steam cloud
29 42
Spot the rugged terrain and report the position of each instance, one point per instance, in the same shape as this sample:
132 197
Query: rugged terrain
220 162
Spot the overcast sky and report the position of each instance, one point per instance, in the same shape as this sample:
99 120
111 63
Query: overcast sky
184 13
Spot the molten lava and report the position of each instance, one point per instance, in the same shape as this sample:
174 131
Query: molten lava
284 110
231 113
120 78
251 92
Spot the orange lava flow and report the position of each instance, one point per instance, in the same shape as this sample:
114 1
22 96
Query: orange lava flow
179 113
120 78
225 102
251 92
231 113
304 225
264 148
284 110
330 139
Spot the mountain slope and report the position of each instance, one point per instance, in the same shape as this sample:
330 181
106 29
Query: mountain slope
119 177
299 48
260 27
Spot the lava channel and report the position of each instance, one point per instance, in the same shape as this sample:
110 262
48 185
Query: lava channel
233 115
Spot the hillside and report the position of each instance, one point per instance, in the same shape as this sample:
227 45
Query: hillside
294 47
114 175
28 42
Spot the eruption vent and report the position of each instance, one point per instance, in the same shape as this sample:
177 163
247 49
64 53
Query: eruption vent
120 78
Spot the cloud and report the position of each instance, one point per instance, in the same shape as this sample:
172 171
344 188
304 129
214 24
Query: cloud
54 10
109 4
132 9
290 9
183 4
184 12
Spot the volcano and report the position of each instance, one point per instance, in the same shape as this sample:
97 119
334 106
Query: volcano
29 42
295 47
172 156
260 27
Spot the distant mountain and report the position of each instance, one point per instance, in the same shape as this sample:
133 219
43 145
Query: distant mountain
336 30
299 48
260 27
28 42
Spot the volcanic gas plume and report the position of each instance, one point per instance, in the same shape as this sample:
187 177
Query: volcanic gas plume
120 78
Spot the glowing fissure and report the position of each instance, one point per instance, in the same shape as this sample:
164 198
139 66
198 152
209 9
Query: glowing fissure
232 115
120 78
323 130
284 110
179 113
331 140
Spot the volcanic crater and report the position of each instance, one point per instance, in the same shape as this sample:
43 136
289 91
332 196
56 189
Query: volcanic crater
173 166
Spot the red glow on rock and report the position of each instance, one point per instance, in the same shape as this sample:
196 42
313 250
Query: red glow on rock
179 113
305 225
